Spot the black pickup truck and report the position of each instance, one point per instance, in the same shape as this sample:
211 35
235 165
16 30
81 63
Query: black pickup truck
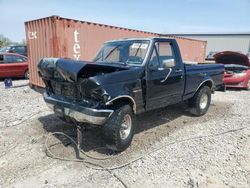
126 78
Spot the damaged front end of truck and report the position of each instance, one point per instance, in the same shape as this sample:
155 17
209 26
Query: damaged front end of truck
83 91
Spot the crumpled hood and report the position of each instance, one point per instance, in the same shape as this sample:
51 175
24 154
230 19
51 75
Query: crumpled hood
229 57
70 70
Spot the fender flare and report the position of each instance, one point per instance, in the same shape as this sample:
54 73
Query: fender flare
204 81
123 96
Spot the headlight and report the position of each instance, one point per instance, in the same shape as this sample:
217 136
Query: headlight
240 74
100 94
91 89
96 93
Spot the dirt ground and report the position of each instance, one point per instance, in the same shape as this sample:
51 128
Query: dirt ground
175 148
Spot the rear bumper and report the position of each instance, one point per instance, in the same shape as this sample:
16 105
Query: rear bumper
77 112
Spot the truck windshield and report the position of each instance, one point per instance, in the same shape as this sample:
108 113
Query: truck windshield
131 52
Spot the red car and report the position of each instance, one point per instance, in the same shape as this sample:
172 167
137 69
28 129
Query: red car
237 69
13 65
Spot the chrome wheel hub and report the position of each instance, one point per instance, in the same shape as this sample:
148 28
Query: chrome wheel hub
203 101
27 74
126 127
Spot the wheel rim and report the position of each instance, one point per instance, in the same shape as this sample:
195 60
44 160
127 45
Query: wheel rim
27 74
126 127
203 101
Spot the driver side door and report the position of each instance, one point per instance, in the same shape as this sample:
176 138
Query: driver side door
165 83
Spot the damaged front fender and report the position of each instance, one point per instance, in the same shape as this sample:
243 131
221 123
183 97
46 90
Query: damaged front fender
91 88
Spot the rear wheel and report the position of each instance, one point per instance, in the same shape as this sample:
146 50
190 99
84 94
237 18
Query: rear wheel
26 74
201 101
118 131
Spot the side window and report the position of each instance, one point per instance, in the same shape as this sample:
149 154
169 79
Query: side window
24 59
18 59
165 52
154 63
19 49
13 59
8 58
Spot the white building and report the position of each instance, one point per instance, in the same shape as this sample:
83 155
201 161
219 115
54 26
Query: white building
239 42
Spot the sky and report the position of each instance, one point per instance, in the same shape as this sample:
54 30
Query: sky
161 16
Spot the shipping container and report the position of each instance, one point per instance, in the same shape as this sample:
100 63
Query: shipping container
61 37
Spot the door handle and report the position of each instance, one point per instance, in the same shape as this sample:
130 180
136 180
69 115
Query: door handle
160 69
178 70
170 70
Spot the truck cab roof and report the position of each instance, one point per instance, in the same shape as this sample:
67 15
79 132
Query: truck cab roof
143 38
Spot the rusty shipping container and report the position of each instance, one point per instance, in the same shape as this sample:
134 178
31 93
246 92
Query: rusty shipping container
61 37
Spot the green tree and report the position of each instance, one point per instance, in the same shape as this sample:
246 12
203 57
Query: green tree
4 41
23 42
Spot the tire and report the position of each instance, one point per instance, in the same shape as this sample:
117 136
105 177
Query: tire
201 101
26 74
118 135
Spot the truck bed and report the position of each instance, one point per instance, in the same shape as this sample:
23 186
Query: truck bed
195 74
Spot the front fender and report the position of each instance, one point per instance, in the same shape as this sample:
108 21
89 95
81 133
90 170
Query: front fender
130 91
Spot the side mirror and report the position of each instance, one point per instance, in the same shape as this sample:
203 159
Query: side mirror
168 63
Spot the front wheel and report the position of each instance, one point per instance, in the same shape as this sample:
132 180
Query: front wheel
26 74
118 131
201 101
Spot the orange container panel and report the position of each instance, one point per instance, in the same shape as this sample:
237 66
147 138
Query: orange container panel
61 37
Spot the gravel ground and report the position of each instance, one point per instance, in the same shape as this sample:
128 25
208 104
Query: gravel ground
177 150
